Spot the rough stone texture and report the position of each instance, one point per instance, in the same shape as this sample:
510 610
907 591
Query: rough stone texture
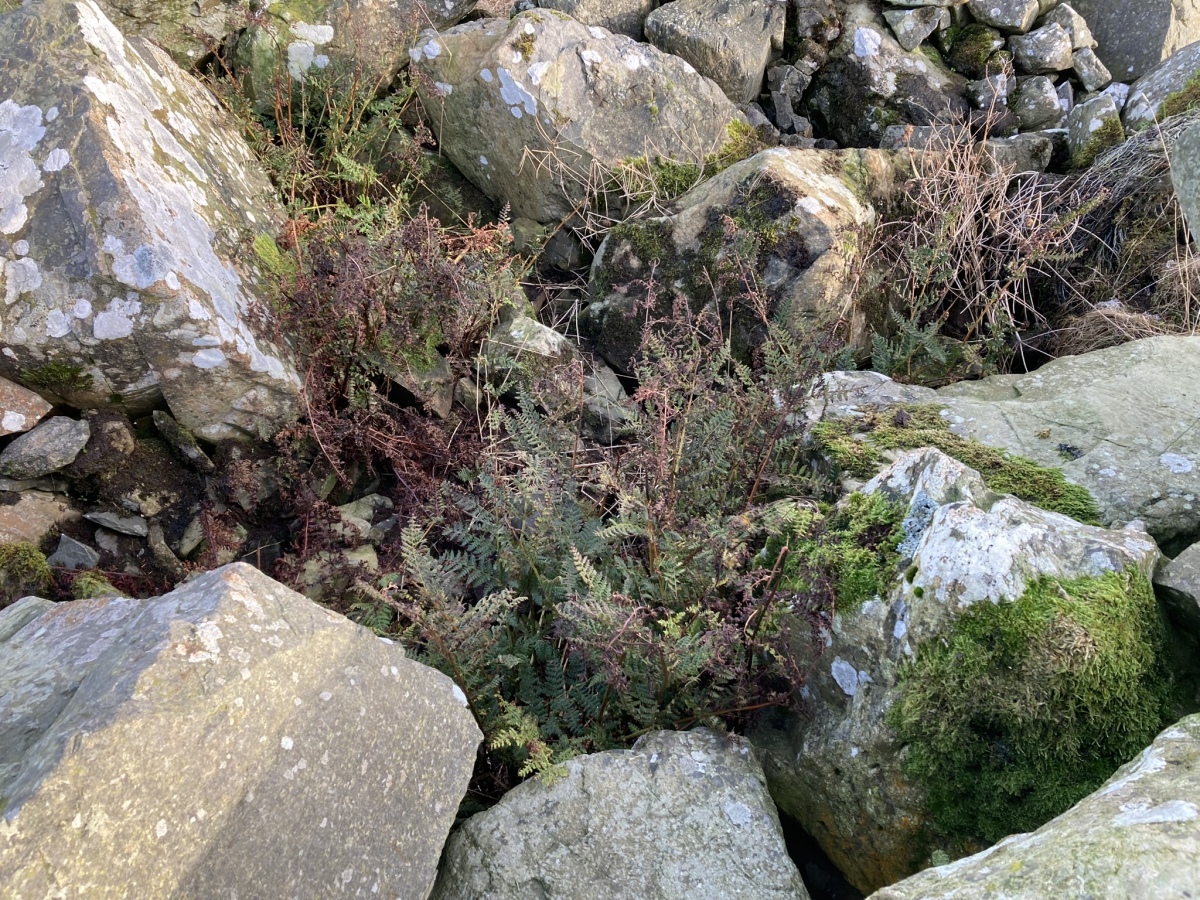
357 41
1130 411
20 409
1065 16
1090 71
71 554
125 217
15 617
991 92
229 738
870 82
1185 177
618 16
912 26
52 445
839 772
135 526
681 815
1007 15
32 516
187 29
1148 92
808 198
730 41
1084 124
1047 49
524 107
1136 838
1019 153
1133 37
1178 584
1037 105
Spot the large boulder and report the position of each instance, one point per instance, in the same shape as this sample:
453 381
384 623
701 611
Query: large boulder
971 570
362 44
127 211
681 815
618 16
228 738
1136 838
190 30
871 82
1133 38
534 109
730 41
1121 422
1168 88
797 210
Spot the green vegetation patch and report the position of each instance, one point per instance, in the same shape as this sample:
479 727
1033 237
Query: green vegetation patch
59 377
1183 100
1107 136
855 446
23 571
1027 706
88 585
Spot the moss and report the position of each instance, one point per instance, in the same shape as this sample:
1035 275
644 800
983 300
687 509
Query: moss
1029 705
23 571
272 258
973 46
855 445
523 44
1183 100
88 585
1108 135
59 377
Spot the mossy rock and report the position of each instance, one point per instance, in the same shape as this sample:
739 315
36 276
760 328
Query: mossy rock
972 49
23 572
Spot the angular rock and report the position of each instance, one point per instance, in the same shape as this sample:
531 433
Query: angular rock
1008 15
1073 24
1019 153
183 442
1133 38
681 815
1178 585
972 50
264 746
840 772
1147 95
135 526
1047 49
32 516
786 86
15 617
1093 127
51 446
20 409
187 29
1119 93
729 41
1036 104
1185 176
618 16
72 554
548 89
1089 70
125 222
912 26
870 82
1136 838
991 92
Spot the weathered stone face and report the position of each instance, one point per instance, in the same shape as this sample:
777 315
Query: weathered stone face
1132 38
20 409
127 215
229 738
1148 94
189 30
618 16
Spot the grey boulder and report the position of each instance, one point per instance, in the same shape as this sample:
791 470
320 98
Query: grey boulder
1133 38
912 26
1178 584
1008 15
681 815
1037 105
1093 127
1047 49
1090 70
1147 95
618 16
51 446
228 738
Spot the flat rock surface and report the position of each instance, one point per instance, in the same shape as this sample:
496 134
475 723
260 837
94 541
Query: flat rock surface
20 408
51 446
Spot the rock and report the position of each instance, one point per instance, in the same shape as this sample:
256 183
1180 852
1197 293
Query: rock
51 446
1178 585
681 815
134 526
1133 38
570 96
1093 127
71 554
263 746
1150 96
1136 837
187 29
1019 153
729 41
1090 71
786 86
618 16
1047 49
29 516
913 26
183 442
15 617
841 771
20 409
1119 93
972 51
1066 97
1008 15
1185 176
359 42
130 202
1036 104
991 92
1072 23
1124 415
870 82
806 199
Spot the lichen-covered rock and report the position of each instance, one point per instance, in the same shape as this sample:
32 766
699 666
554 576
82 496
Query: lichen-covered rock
843 771
871 82
51 446
912 26
804 201
1093 127
187 29
1136 838
1090 71
1075 25
1008 15
20 408
618 16
1178 583
1132 38
730 41
358 42
525 107
126 215
1171 83
230 737
1037 104
1048 49
681 815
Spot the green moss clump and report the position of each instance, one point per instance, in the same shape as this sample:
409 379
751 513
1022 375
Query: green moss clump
523 44
1108 135
59 377
88 585
1183 100
1027 706
854 446
273 259
23 571
972 48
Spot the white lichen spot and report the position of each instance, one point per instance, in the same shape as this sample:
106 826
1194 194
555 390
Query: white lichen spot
598 33
737 813
515 95
316 34
445 89
321 61
537 70
845 675
432 49
56 160
458 694
116 321
12 422
867 42
1142 814
57 324
590 57
300 55
161 829
1176 463
286 742
810 205
21 247
82 308
20 131
483 161
52 114
21 275
486 75
208 358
